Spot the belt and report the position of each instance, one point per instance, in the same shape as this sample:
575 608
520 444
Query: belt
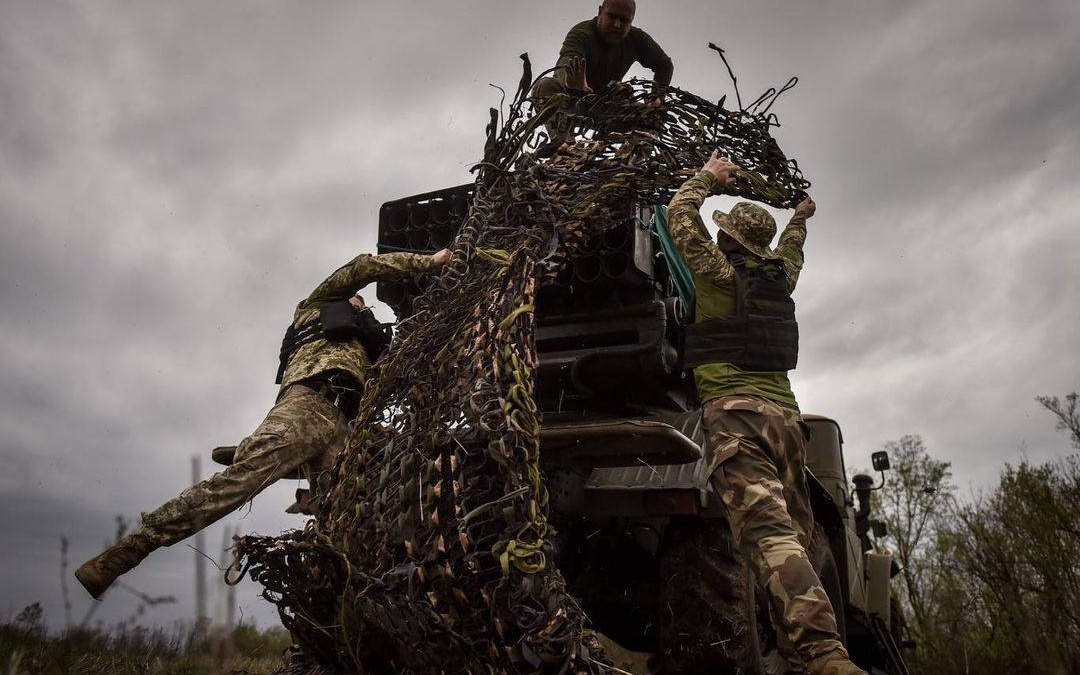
339 388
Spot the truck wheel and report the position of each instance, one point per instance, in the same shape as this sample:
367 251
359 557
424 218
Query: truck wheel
773 661
712 616
821 557
707 610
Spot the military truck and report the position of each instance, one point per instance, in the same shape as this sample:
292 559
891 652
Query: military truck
621 447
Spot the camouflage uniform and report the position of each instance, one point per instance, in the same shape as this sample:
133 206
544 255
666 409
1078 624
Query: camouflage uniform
303 429
755 436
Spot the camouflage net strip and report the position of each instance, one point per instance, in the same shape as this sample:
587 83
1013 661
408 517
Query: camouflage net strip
432 553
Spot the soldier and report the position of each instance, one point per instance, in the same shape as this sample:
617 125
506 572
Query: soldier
327 348
743 342
599 51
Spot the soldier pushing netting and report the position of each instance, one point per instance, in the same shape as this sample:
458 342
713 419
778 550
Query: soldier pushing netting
432 552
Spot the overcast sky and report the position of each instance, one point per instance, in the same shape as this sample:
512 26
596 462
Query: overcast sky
175 176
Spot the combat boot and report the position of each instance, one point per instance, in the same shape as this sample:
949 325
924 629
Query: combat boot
99 572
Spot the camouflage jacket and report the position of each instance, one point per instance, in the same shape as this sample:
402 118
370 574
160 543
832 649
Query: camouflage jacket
714 279
322 356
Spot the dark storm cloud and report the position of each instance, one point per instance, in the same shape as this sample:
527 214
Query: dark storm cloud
32 562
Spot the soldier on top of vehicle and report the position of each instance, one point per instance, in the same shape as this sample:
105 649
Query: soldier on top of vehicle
743 342
327 349
597 52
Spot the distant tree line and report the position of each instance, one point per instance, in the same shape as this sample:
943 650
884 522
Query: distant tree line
990 583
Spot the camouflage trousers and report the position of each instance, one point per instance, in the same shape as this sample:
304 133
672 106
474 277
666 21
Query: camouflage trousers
556 126
303 430
757 454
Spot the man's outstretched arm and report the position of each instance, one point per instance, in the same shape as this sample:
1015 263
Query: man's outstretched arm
653 57
571 64
366 268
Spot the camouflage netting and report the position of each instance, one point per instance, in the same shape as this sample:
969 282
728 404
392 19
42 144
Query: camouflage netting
432 553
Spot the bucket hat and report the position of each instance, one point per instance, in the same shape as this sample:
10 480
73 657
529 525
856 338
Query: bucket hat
750 226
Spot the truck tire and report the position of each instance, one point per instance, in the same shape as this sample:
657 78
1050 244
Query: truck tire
712 617
769 639
821 557
706 611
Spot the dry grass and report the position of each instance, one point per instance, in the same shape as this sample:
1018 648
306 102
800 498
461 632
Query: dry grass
26 648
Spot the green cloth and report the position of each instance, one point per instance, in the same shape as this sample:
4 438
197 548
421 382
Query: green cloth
714 282
605 63
680 273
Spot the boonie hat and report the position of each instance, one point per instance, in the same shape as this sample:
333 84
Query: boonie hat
751 226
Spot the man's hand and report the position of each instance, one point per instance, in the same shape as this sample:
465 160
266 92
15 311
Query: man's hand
575 75
806 208
442 257
655 98
720 168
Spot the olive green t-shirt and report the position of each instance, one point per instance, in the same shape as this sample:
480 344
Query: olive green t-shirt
605 63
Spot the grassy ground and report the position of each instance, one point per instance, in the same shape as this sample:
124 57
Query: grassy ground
26 648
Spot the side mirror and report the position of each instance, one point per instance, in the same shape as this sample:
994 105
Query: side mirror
880 460
865 484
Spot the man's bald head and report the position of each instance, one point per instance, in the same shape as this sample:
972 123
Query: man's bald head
613 19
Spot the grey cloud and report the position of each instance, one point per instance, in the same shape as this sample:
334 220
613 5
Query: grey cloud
31 559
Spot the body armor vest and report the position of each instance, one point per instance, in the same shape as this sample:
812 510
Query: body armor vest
337 322
762 335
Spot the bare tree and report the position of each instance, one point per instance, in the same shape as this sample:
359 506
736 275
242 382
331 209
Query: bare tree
1068 418
917 495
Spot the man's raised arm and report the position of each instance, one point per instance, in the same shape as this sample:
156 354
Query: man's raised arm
688 231
790 244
